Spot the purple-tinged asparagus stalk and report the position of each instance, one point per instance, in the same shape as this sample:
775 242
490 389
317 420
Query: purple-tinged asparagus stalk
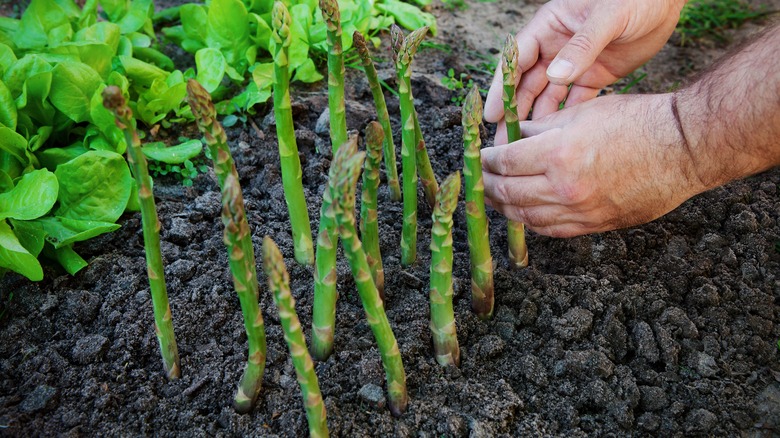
369 224
114 101
476 219
238 240
279 283
445 337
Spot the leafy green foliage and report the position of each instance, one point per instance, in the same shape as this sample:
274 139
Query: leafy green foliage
700 18
460 85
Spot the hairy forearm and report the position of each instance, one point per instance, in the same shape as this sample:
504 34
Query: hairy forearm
730 117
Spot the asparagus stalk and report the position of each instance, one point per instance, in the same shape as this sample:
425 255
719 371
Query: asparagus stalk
238 240
381 114
114 101
518 252
336 106
403 57
445 338
342 188
369 225
279 283
285 132
427 177
476 220
325 293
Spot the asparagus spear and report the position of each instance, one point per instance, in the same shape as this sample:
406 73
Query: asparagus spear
369 226
238 240
518 252
325 294
342 188
279 283
114 101
336 106
403 57
285 131
423 162
381 113
445 338
476 220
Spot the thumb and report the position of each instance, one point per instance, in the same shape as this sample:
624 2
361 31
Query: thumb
576 57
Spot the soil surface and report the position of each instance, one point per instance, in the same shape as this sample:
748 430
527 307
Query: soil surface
670 328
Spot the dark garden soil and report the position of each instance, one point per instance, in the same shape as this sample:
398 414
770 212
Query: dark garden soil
669 328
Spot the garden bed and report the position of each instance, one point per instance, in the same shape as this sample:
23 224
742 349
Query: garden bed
668 328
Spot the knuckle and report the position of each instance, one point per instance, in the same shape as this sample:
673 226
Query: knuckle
503 192
582 43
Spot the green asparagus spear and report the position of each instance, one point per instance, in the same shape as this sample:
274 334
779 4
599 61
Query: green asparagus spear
518 252
369 225
114 101
342 191
288 149
325 293
476 220
427 177
445 337
381 114
279 283
336 106
403 56
238 240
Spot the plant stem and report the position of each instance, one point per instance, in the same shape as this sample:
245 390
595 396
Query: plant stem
285 132
342 188
427 177
238 239
403 58
336 106
325 293
369 225
518 251
163 321
381 113
476 220
445 337
279 283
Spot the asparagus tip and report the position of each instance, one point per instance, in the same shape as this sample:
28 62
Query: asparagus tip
472 107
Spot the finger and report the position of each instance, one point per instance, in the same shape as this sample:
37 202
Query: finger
532 83
494 104
535 216
520 191
583 48
563 230
501 136
579 94
549 100
521 158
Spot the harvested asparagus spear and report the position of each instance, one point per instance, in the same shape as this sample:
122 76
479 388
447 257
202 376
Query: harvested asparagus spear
336 106
369 225
518 252
381 114
422 161
403 56
238 239
285 132
342 188
325 293
279 283
114 101
476 220
445 337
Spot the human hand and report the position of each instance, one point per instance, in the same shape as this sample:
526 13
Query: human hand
609 163
586 43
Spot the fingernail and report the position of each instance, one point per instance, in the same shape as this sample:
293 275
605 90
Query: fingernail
560 69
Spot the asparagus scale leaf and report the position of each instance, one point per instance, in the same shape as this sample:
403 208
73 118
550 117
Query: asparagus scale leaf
518 251
288 149
279 283
342 188
238 240
381 113
445 338
369 223
114 101
476 219
325 293
336 105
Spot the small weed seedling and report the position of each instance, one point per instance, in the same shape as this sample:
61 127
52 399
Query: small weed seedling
701 18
